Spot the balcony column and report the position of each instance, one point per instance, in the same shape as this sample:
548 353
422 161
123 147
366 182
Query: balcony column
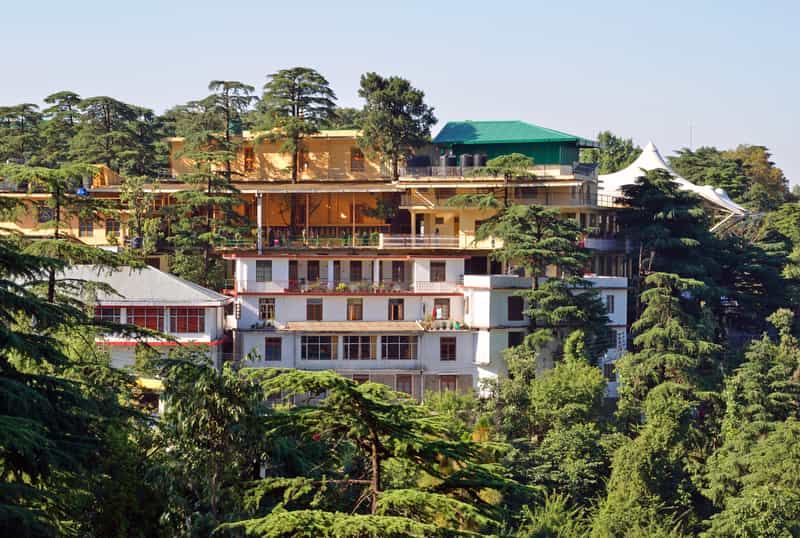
413 228
267 221
307 215
353 215
259 219
331 283
376 271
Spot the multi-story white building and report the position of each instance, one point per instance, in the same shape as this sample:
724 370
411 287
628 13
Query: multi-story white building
414 322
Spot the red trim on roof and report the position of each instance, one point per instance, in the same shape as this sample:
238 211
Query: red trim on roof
344 294
132 343
383 256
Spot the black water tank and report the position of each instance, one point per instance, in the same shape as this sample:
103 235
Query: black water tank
419 160
452 160
480 160
467 160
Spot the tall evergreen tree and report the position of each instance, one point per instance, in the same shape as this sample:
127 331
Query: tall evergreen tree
20 138
104 131
61 124
396 118
297 103
231 100
709 166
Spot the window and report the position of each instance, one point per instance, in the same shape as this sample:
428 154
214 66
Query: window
399 347
447 348
314 309
515 338
355 272
85 228
361 378
438 271
148 317
318 348
398 271
447 382
402 383
441 308
609 304
187 320
515 304
358 347
263 270
45 214
266 308
108 314
439 220
355 309
312 270
621 339
272 349
249 159
112 227
396 308
356 160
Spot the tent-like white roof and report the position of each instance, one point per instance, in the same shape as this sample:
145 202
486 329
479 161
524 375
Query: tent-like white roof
651 159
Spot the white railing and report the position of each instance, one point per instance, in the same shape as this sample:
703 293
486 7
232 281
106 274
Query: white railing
435 287
418 241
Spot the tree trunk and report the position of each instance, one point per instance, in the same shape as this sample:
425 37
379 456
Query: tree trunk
375 485
51 277
295 159
395 168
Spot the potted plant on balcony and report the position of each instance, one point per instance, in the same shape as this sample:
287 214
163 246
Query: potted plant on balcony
341 287
427 322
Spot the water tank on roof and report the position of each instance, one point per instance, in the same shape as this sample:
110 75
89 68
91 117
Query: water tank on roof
467 160
452 160
480 159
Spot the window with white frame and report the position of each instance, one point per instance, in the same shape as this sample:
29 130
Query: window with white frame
358 347
266 308
399 347
263 270
318 348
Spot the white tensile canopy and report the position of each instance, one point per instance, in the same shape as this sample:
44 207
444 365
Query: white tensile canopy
651 159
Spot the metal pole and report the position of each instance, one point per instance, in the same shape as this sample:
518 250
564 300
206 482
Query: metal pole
259 218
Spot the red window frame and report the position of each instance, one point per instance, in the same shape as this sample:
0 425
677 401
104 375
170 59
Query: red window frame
147 317
187 320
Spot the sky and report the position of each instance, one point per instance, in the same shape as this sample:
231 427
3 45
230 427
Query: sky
728 72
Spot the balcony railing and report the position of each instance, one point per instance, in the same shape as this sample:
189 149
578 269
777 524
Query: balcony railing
436 287
418 241
541 170
548 199
322 286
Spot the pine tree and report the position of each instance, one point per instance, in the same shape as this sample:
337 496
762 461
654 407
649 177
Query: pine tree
104 132
670 343
230 101
396 119
59 211
297 103
361 429
60 126
614 153
20 136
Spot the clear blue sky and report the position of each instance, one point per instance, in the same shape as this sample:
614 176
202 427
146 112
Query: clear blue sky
641 69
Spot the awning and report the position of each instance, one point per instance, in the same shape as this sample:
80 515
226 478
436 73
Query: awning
352 326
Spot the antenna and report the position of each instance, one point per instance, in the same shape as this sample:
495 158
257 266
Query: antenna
691 134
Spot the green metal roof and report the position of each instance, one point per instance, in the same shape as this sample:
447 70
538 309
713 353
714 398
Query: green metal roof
499 132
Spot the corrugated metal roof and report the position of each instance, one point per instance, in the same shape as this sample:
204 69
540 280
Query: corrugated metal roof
145 286
498 132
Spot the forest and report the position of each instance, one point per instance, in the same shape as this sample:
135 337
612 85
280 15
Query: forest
704 439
